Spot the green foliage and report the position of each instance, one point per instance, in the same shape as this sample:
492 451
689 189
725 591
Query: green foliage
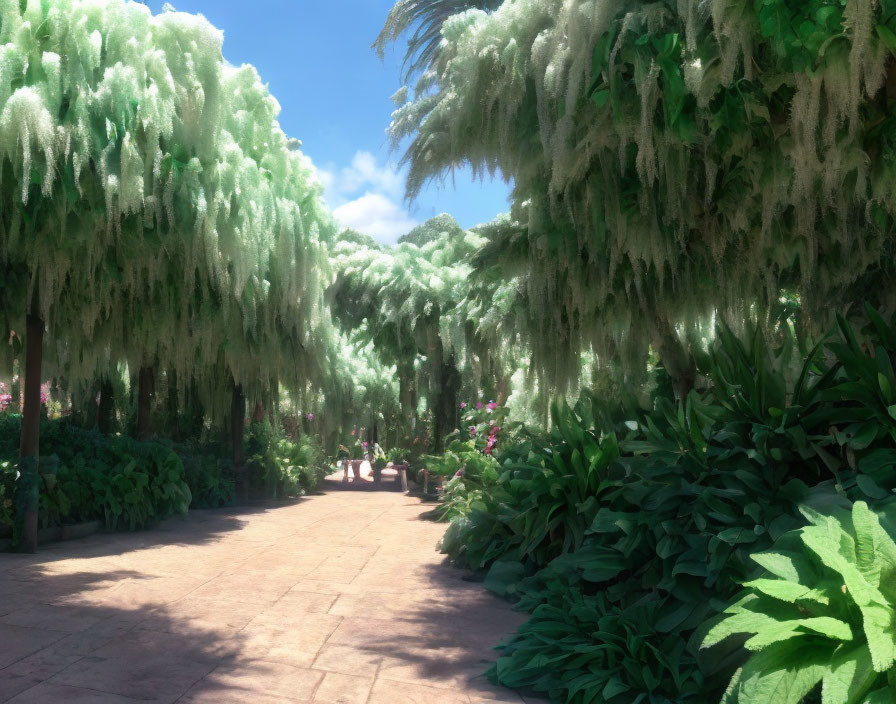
282 468
823 615
470 473
168 221
305 461
587 650
671 160
665 519
209 474
124 483
397 455
543 501
7 497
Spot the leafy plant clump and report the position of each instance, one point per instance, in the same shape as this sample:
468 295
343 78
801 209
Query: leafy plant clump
663 511
586 649
209 474
279 467
122 482
823 616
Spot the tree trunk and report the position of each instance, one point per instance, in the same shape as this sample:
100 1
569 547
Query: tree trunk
677 360
273 410
258 412
173 405
146 389
502 391
237 422
195 414
29 450
105 412
446 398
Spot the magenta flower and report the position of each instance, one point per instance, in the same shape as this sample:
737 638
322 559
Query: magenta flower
472 431
310 416
492 405
463 404
459 473
479 405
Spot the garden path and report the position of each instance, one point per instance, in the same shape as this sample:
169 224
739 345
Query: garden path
339 597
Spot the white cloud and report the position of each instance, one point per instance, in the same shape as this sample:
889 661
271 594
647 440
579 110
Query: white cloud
376 215
366 196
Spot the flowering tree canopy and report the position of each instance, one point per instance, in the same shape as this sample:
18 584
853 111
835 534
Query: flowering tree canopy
151 199
672 159
411 302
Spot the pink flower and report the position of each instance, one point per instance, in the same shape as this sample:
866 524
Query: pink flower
494 431
354 432
310 416
463 404
472 431
488 449
459 473
364 445
492 405
479 405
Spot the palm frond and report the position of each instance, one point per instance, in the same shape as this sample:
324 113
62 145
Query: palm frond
425 18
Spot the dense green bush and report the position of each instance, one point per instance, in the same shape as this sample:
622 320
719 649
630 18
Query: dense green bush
470 473
305 461
209 474
661 513
124 483
279 467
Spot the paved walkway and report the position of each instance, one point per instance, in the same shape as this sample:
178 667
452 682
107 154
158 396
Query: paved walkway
339 597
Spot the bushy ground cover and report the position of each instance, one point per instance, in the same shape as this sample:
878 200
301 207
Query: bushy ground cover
127 484
631 533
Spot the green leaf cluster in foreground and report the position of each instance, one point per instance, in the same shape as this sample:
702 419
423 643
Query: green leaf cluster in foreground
825 612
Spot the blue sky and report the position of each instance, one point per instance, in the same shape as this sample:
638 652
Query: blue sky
335 92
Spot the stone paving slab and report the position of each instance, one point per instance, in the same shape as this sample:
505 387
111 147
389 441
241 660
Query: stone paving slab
339 598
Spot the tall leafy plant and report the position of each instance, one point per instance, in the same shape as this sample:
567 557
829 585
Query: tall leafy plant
823 614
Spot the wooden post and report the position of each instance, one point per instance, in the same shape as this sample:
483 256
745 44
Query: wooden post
145 390
29 450
403 477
